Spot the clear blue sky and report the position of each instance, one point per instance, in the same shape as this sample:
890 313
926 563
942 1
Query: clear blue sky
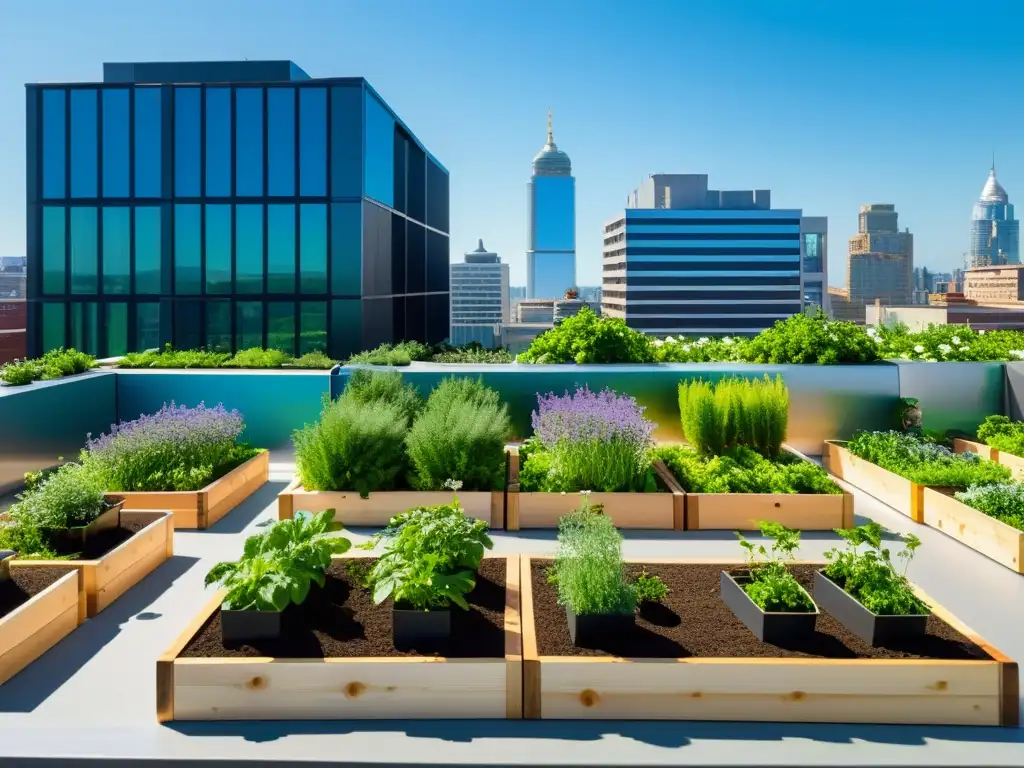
829 103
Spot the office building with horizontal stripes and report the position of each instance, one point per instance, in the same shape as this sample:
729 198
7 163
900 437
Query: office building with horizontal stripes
683 259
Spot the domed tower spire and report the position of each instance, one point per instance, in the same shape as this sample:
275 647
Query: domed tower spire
551 133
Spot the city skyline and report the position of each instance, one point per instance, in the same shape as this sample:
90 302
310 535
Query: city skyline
485 121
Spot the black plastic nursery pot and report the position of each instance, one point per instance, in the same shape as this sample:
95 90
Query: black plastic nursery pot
774 628
245 626
420 630
589 630
73 539
872 628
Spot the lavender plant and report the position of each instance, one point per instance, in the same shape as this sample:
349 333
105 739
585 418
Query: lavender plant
586 440
175 449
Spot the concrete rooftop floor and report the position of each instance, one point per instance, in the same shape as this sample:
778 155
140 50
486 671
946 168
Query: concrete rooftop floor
92 697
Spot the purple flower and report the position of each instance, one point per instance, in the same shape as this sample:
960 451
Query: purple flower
173 425
586 416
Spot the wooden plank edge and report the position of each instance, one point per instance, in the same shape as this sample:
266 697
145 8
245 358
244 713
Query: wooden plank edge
254 473
531 691
165 662
286 500
513 640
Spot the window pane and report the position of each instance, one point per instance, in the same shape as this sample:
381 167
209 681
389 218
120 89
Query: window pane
84 169
148 264
249 249
346 328
281 141
813 252
437 196
249 142
417 183
346 249
84 259
313 142
281 249
380 152
218 142
117 329
147 325
148 142
187 249
218 325
54 154
281 326
115 143
117 251
437 262
186 142
188 328
313 242
54 231
85 327
218 249
346 142
416 258
53 326
313 327
249 324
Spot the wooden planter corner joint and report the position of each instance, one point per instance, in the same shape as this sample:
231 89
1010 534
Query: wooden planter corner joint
651 511
982 533
878 691
743 511
904 496
378 509
405 687
110 576
1014 463
201 509
30 630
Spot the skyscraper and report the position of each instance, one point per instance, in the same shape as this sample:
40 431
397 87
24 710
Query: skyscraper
880 263
551 253
995 234
480 300
230 205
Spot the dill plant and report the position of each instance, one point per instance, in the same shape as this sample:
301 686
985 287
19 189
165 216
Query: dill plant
588 569
365 387
717 417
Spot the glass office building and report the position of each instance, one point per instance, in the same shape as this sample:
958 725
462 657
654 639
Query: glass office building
230 205
551 258
995 232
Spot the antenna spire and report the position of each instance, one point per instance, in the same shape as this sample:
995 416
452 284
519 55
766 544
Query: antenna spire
993 161
551 134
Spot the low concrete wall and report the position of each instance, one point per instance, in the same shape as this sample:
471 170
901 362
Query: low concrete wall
826 402
48 420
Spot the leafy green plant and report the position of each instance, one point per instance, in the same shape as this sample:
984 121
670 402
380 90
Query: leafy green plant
587 338
55 364
19 373
649 589
947 343
69 497
315 359
169 357
717 417
430 558
400 354
815 339
278 566
255 357
474 352
588 567
1003 501
771 586
922 460
365 386
744 471
870 576
1003 434
460 433
356 446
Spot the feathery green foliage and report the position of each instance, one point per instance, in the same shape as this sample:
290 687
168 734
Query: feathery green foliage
55 364
365 387
717 417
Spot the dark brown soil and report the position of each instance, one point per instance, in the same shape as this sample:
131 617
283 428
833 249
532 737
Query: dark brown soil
694 622
105 541
341 620
26 583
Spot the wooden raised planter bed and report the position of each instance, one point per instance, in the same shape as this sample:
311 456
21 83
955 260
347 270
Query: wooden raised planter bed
904 496
652 511
1013 463
378 509
201 509
344 688
976 685
31 629
109 576
742 511
982 533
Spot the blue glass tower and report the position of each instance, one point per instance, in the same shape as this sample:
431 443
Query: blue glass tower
551 254
230 205
995 233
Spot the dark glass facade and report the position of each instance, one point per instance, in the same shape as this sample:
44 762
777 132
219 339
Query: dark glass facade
297 214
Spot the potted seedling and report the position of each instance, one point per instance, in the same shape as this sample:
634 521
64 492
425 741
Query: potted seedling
765 596
650 593
599 601
429 563
276 570
865 592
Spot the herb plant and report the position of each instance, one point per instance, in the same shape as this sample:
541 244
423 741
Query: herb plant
649 589
1003 434
717 417
175 449
391 354
278 566
1003 501
366 386
430 558
921 459
55 364
69 497
588 567
251 358
815 339
587 338
870 576
744 471
771 586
